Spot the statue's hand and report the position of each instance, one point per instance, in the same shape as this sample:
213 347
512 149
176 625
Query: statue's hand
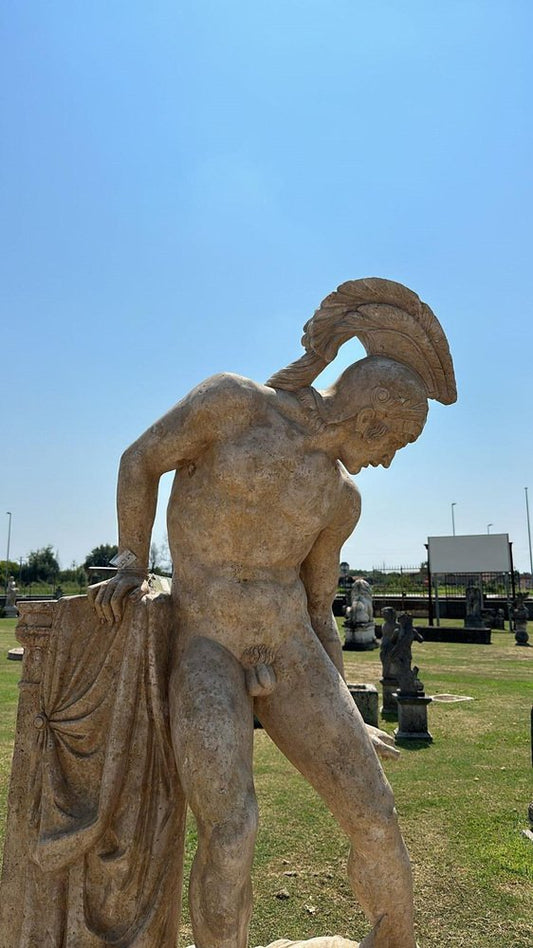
108 598
382 743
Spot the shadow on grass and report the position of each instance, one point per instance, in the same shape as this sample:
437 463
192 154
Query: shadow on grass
413 745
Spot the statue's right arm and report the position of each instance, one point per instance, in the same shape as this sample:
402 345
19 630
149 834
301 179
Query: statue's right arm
178 438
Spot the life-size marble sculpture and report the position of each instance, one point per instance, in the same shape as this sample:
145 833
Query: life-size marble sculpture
261 505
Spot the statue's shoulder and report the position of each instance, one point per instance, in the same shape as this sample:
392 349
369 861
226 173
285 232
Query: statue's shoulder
229 384
226 392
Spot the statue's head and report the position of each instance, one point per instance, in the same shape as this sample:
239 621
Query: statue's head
376 407
361 587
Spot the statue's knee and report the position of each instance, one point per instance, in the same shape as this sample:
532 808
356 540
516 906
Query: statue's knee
378 819
233 840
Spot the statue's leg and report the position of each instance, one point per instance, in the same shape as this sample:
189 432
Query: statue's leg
212 731
313 719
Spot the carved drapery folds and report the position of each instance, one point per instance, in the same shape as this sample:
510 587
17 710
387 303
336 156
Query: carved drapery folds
98 796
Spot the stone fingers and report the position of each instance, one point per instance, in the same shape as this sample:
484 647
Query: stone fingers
108 600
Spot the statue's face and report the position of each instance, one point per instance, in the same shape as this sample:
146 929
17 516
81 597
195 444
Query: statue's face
395 414
379 441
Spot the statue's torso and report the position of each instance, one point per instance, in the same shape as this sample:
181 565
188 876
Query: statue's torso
242 517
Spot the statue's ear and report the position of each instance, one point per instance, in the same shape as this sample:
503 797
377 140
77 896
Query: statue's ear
369 425
364 421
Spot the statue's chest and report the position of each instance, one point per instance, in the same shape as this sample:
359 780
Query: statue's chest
266 466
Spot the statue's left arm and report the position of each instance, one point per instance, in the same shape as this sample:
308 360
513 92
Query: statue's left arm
320 572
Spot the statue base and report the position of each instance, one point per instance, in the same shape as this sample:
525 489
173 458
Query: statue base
412 718
366 699
360 638
521 637
10 612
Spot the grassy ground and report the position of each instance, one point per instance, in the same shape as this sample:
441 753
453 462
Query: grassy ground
462 803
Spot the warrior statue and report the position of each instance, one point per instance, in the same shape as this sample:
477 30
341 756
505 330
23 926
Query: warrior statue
261 505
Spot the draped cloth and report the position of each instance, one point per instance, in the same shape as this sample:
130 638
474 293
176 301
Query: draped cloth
107 812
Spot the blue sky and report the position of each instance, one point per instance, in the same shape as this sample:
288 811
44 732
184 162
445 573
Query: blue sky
182 183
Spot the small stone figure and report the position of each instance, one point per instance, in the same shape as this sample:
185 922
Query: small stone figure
410 696
520 617
389 637
10 609
359 624
473 618
498 621
389 680
401 656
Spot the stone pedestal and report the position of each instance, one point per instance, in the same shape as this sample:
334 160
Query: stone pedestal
10 612
366 699
359 636
412 717
389 708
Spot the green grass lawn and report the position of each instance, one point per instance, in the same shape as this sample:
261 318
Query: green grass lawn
462 803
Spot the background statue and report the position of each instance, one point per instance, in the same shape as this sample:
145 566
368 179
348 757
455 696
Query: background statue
389 636
473 607
361 601
359 622
11 592
10 608
401 656
520 617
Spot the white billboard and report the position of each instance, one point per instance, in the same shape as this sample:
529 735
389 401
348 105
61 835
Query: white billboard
483 553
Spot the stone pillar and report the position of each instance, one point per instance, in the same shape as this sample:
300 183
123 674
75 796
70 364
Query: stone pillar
412 717
366 699
33 632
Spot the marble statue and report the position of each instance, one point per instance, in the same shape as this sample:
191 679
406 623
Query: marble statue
261 505
359 623
520 617
473 607
389 637
401 657
10 609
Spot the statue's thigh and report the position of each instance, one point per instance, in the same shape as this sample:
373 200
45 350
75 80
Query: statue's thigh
312 717
211 722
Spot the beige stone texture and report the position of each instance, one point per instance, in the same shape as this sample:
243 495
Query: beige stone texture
131 709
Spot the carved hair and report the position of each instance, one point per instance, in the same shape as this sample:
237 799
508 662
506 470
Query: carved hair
390 320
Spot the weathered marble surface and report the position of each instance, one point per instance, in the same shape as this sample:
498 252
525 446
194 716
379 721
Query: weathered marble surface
111 742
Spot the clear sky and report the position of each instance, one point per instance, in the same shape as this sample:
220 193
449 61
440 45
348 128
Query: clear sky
183 182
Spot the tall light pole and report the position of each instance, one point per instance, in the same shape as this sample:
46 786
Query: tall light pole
453 517
489 525
529 535
8 514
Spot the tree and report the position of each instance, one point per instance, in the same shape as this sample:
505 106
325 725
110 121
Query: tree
159 559
42 566
101 555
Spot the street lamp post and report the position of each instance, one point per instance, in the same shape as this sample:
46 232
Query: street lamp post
489 525
453 517
529 535
8 514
